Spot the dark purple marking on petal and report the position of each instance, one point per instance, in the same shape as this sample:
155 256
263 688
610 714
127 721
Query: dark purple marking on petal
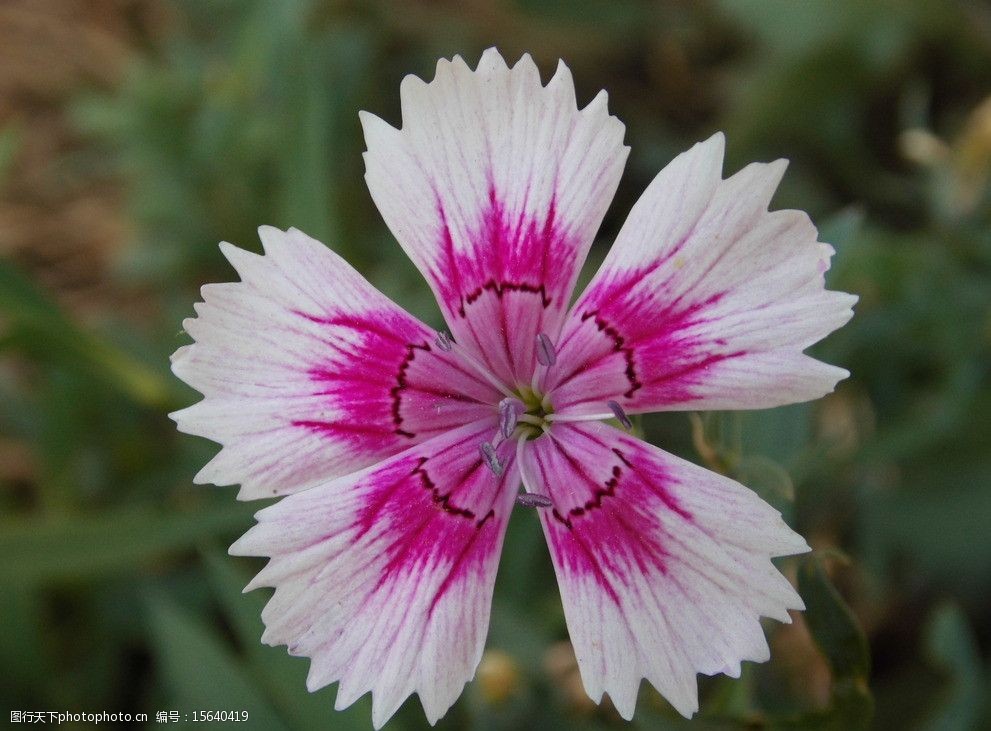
618 346
499 288
519 252
401 385
419 524
616 536
358 378
395 392
609 491
386 497
510 252
663 357
618 531
533 500
368 377
442 500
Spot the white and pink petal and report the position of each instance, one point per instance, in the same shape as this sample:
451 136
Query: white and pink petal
384 578
664 567
308 372
706 300
495 187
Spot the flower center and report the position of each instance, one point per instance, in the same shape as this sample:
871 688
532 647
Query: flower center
533 422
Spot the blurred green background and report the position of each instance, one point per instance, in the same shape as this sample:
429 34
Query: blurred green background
136 134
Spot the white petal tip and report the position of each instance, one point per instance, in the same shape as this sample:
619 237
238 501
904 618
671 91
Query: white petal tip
626 707
598 105
345 697
183 352
200 479
430 710
526 64
410 84
240 548
374 127
258 582
778 166
732 671
314 683
714 145
491 58
249 492
686 708
209 474
271 237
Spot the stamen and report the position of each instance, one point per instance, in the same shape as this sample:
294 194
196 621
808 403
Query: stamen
618 412
528 498
534 421
545 350
490 458
443 342
533 500
564 418
509 413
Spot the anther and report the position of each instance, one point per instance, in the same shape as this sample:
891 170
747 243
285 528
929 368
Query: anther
509 414
545 350
618 412
533 500
490 458
443 342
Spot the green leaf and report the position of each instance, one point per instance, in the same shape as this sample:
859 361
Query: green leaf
243 611
38 325
21 645
20 298
718 438
10 143
282 676
780 434
952 649
839 637
842 227
200 672
306 199
833 625
731 697
38 550
767 478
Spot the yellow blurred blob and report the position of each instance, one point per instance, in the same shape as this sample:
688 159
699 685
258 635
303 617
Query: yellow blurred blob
972 156
498 676
561 666
963 165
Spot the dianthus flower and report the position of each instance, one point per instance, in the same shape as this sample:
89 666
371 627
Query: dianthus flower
402 449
